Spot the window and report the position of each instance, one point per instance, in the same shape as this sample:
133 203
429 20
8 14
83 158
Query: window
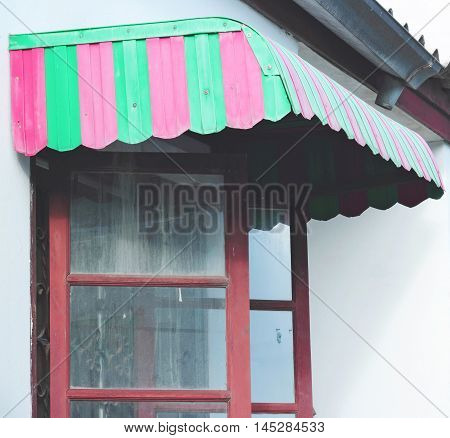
144 337
147 322
279 365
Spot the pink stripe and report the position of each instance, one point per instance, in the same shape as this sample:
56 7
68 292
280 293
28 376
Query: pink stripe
168 86
169 109
306 109
331 118
229 79
412 147
254 79
430 154
40 106
353 203
244 98
235 82
17 100
86 101
358 135
374 129
412 193
28 81
402 155
180 85
29 122
241 84
97 94
108 103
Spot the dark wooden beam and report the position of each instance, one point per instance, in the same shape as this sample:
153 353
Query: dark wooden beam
425 112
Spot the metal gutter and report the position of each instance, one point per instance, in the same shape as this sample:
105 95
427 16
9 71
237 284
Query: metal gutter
375 33
432 97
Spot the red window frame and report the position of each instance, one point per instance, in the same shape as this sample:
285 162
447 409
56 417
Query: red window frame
238 304
299 306
237 395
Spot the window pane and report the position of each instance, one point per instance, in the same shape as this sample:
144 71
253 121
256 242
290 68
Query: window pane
141 223
273 415
272 356
270 256
109 409
123 337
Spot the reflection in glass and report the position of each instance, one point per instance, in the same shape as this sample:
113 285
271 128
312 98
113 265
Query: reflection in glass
270 256
272 356
124 337
110 409
134 223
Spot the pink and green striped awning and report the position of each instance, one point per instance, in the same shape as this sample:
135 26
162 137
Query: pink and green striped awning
91 87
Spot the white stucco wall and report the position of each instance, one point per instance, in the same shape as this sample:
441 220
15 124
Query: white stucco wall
384 273
14 260
380 298
380 283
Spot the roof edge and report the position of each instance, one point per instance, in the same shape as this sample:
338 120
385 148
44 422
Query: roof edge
433 110
181 27
393 45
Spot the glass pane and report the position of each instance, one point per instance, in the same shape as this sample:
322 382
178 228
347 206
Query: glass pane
109 409
142 223
270 256
170 338
272 356
273 415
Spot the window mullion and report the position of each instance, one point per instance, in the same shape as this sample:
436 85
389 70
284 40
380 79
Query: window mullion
147 394
59 293
142 280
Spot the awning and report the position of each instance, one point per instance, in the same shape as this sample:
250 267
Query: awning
91 87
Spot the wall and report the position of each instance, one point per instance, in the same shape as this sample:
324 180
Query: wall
14 260
384 273
30 16
379 301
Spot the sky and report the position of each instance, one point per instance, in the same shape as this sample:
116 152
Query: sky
422 19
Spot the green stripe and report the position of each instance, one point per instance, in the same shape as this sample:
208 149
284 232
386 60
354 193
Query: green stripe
434 192
382 198
406 150
287 82
51 97
323 208
262 52
276 101
309 87
336 104
122 33
192 84
321 162
205 84
217 82
424 155
362 121
321 173
132 91
389 146
63 110
359 105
